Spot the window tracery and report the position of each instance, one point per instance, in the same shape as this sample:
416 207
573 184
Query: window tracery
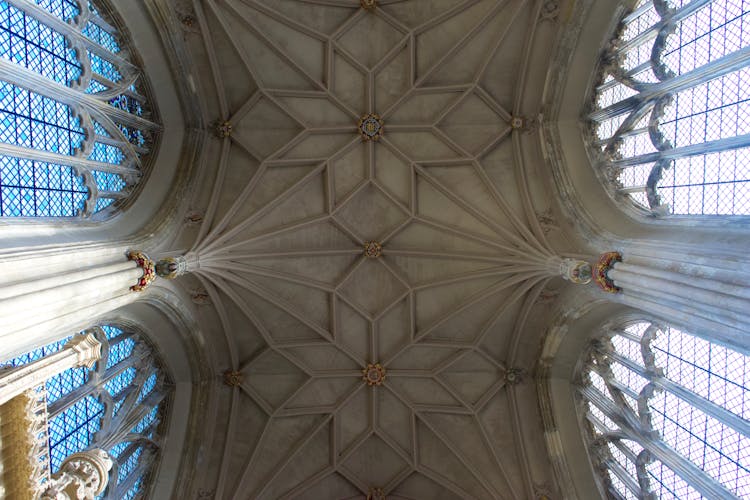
116 406
75 123
666 413
670 117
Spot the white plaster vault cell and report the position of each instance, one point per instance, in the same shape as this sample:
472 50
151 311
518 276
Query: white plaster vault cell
301 192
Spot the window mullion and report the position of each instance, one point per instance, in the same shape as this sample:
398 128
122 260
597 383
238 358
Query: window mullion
710 408
702 148
623 475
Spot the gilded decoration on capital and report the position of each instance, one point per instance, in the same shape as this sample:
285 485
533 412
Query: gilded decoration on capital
373 374
148 267
606 262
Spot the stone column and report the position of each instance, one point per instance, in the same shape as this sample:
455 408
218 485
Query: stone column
708 296
81 350
45 297
82 476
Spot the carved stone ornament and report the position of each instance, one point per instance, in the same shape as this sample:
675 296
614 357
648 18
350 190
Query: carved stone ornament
171 267
149 270
193 218
82 476
517 122
88 349
373 249
233 378
376 494
513 376
368 4
373 374
606 262
200 297
224 129
576 271
370 127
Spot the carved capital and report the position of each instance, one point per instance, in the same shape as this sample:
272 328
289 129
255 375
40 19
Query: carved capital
88 349
82 476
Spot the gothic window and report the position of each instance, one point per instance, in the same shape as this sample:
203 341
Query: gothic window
670 117
117 406
666 414
75 125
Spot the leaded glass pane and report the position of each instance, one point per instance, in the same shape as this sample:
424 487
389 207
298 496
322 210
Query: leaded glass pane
696 162
37 121
76 421
688 375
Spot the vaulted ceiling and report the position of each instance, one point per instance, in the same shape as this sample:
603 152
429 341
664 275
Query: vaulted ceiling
463 228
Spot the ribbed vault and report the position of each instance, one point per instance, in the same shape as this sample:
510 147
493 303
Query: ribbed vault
297 195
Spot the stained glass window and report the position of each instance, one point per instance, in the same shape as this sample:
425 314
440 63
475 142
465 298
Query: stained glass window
96 408
670 115
666 414
61 153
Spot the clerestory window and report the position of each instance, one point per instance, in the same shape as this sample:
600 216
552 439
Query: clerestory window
665 414
670 115
118 406
76 127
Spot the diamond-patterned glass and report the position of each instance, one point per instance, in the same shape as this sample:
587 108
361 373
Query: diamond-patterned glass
711 117
692 430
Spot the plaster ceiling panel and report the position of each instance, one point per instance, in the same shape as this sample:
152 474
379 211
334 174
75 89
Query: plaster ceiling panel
248 428
309 235
507 61
236 178
470 183
418 357
318 112
305 465
349 82
472 443
310 270
282 440
354 423
422 271
424 392
431 234
393 80
271 68
472 124
397 177
418 485
372 287
349 170
273 378
445 33
258 192
472 375
323 357
352 331
374 462
497 420
301 48
317 145
298 203
393 330
306 300
423 108
324 394
265 128
466 61
499 166
246 341
421 145
233 73
274 320
382 37
330 486
442 465
371 214
394 419
416 14
321 17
